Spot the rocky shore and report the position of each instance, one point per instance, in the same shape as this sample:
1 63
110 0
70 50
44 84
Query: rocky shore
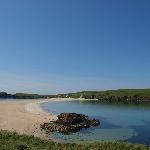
69 122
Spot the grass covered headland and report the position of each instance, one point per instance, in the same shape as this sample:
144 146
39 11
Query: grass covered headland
14 141
116 96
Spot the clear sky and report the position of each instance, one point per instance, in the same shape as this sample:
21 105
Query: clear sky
57 46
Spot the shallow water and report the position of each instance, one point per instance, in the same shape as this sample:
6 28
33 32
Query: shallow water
118 122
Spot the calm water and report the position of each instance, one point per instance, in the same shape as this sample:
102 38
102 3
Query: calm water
118 122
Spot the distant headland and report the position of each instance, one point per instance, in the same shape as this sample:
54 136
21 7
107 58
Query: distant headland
119 96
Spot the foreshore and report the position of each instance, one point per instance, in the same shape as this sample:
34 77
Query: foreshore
24 116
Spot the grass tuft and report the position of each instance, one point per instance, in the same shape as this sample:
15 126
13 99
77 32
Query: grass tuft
14 141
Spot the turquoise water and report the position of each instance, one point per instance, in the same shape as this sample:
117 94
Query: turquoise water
118 122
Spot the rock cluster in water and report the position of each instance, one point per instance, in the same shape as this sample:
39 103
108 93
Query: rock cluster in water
69 122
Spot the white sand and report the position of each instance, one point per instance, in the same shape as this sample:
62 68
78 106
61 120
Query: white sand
24 116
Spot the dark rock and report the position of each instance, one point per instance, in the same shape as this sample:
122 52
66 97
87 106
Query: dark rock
69 122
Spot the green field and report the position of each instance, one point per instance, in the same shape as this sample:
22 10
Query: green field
13 141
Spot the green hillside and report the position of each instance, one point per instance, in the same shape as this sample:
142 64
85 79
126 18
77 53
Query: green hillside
121 95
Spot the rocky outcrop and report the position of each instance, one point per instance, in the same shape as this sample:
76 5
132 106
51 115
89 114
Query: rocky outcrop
70 122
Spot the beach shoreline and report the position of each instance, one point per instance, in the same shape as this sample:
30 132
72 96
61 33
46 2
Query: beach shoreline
24 116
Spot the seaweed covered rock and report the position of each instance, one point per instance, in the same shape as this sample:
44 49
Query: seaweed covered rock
69 122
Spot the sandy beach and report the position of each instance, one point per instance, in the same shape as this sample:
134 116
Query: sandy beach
24 116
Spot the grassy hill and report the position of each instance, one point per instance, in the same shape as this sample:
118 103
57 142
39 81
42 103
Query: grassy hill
21 96
121 95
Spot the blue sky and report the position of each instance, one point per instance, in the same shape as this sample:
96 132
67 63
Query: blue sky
57 46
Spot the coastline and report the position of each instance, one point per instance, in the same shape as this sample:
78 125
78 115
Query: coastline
24 117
